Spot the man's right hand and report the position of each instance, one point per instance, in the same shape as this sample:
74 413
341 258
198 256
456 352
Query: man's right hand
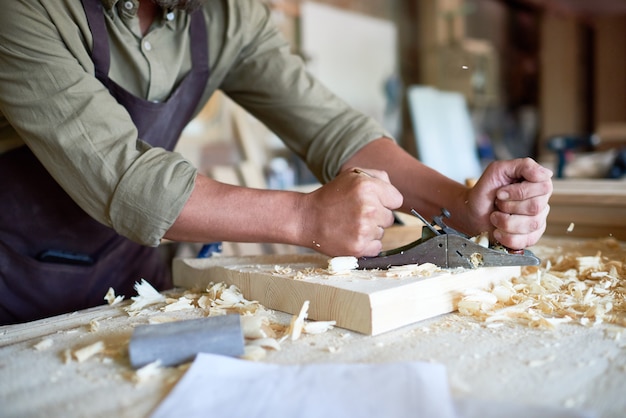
348 215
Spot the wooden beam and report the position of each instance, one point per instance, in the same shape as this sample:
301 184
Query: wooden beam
362 301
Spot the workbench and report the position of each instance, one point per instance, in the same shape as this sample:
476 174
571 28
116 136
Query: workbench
572 366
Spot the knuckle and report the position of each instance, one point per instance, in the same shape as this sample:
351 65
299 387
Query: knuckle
362 229
548 187
534 208
534 225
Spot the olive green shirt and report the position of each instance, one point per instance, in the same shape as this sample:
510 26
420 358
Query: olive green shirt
51 101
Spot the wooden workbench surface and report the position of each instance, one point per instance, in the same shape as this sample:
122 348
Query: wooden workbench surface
571 366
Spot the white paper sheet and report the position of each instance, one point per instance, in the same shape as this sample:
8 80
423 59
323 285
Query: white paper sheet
222 386
226 387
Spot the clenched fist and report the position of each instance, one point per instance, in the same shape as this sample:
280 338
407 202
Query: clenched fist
348 215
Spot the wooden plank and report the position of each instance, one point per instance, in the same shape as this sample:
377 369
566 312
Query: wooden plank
597 208
598 191
363 301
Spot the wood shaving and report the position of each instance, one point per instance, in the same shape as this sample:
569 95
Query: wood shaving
282 269
146 296
257 326
67 356
587 290
221 299
271 343
94 325
477 301
297 323
482 239
476 259
308 272
342 265
111 298
318 327
410 270
87 352
179 304
43 344
253 353
147 372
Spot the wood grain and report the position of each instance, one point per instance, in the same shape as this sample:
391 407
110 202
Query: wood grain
363 301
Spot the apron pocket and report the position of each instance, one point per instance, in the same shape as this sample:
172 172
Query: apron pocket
31 289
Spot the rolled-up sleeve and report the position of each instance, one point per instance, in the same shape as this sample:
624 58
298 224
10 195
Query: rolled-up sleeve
82 136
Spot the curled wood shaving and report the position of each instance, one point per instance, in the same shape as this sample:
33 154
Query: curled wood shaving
257 326
297 323
179 304
482 239
146 296
587 290
318 327
253 352
271 343
282 269
476 259
111 298
342 265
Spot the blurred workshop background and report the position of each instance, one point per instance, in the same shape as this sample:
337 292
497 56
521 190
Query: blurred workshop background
459 83
515 78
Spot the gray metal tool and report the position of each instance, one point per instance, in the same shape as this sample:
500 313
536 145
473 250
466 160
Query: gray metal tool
174 343
447 248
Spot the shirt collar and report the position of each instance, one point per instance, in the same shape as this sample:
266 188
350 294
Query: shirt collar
125 8
108 4
129 8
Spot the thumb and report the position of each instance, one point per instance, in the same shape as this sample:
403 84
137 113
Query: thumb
389 196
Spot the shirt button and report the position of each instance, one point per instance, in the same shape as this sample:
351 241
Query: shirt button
129 5
170 16
147 46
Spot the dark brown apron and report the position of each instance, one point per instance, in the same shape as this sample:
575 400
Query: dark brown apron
54 258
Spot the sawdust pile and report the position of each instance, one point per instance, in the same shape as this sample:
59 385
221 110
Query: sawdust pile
575 288
259 326
261 331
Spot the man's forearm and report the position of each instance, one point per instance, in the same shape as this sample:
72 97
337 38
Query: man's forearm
221 212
